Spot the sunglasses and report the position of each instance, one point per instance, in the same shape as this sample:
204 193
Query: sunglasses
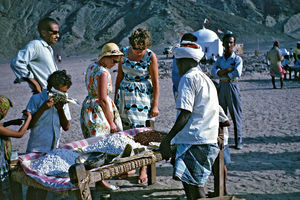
53 32
115 61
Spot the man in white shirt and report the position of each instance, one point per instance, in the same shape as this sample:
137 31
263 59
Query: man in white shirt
196 128
35 62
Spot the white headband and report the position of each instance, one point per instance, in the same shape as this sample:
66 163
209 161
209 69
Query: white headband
192 50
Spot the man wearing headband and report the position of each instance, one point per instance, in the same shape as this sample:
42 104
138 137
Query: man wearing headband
228 69
35 62
196 128
175 76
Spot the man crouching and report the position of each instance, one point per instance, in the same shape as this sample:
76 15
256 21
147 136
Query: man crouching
196 128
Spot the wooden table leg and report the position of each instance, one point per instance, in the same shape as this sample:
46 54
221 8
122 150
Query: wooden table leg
219 189
151 173
79 175
16 190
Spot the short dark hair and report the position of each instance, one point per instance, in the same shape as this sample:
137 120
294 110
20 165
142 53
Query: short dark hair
189 37
228 35
44 24
59 78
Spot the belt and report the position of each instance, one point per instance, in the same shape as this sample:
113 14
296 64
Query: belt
224 81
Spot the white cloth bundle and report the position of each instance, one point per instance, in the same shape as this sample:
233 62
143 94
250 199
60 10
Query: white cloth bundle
189 49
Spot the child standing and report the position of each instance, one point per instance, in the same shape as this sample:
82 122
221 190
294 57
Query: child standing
5 144
49 114
223 144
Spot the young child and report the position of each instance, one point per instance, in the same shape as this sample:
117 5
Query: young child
49 114
5 144
223 144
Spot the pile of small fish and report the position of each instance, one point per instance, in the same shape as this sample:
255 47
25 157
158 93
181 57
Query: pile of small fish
55 163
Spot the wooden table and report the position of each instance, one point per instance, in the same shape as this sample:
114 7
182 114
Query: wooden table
85 178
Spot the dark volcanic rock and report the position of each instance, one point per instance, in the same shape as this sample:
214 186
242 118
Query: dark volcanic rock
87 24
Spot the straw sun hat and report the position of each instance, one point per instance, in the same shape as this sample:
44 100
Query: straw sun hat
110 49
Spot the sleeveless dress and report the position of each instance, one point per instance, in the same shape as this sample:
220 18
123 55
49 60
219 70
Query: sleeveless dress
135 93
92 119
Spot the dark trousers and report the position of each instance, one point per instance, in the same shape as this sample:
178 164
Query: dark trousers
229 98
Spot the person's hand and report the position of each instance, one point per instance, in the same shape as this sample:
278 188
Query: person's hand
228 70
154 112
48 104
59 105
113 127
165 149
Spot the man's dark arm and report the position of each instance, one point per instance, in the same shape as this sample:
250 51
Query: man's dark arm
181 121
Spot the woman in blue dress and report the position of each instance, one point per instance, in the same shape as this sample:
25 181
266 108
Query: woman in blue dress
137 86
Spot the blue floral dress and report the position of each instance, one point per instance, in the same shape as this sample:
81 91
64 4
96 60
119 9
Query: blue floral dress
135 93
92 118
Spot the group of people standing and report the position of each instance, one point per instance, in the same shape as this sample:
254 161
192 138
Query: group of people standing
280 65
136 90
136 100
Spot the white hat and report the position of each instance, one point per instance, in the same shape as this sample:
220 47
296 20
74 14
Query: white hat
189 49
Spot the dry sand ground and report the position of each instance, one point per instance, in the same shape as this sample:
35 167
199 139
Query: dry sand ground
268 167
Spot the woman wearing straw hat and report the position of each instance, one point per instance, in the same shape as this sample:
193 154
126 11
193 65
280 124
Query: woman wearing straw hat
99 115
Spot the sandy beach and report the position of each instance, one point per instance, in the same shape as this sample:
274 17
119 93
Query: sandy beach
267 168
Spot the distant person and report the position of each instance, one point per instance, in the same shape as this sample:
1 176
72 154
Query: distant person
35 62
286 67
228 69
296 67
175 76
49 115
5 146
275 57
137 85
58 57
195 130
296 52
291 53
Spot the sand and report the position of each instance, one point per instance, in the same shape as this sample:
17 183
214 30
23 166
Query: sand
268 167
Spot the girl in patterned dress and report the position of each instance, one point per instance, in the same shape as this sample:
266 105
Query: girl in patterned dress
137 86
5 144
99 115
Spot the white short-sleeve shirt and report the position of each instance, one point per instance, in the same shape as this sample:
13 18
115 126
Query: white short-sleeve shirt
197 94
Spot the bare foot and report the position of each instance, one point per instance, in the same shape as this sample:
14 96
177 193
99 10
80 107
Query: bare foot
143 178
123 176
108 186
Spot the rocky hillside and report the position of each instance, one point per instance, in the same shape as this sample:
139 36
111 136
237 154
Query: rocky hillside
87 24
